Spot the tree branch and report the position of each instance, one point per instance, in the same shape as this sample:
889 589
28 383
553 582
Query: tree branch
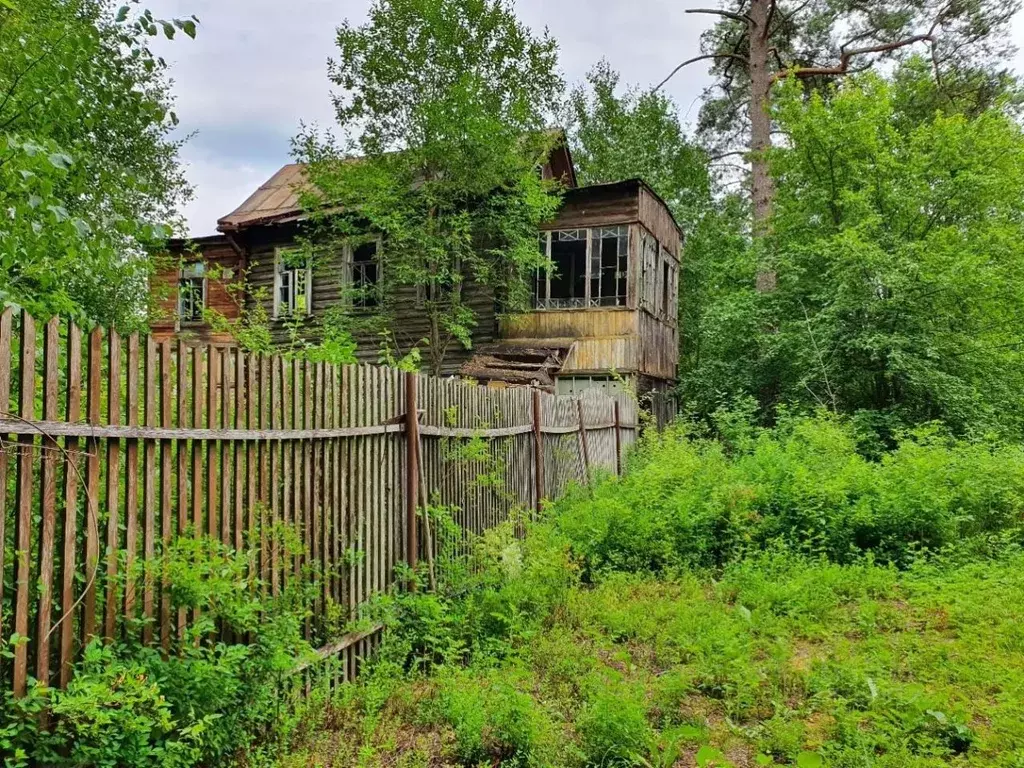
768 23
719 12
671 74
843 67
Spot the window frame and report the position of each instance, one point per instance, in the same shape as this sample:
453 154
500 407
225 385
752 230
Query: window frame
291 310
183 277
542 277
348 271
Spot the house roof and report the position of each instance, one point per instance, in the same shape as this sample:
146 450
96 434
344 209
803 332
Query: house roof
276 199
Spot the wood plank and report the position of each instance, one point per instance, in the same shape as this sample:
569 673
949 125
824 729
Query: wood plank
308 483
213 381
91 553
166 526
243 467
6 323
227 391
316 512
113 470
125 432
149 492
131 482
48 503
73 412
287 510
181 450
23 503
197 448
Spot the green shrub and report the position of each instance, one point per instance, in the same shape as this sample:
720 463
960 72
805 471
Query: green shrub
495 719
204 704
613 727
695 501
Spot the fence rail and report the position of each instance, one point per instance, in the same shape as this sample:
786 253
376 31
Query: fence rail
111 447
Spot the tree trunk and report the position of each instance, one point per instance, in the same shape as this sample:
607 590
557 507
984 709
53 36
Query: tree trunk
762 186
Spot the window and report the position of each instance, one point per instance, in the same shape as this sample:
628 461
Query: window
608 266
588 268
293 283
666 287
192 292
365 274
649 271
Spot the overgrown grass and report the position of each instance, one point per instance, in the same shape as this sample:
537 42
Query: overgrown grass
770 598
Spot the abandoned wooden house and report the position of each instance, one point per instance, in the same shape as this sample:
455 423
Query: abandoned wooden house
604 317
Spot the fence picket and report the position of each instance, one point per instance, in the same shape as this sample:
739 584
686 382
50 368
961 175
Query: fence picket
73 413
23 503
113 483
6 321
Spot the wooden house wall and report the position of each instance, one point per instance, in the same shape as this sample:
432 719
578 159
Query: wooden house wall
659 222
596 207
410 324
164 289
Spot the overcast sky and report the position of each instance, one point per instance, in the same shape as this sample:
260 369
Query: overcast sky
257 68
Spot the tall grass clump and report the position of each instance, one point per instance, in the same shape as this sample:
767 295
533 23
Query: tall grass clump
698 501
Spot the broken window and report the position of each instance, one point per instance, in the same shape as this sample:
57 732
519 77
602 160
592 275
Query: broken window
192 292
293 283
649 271
609 254
588 268
567 283
365 268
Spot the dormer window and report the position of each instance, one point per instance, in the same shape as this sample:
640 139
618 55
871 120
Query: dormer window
192 292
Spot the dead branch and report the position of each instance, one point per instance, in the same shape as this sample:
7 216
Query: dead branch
719 12
672 74
843 67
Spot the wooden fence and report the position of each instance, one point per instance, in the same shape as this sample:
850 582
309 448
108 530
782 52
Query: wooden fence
110 447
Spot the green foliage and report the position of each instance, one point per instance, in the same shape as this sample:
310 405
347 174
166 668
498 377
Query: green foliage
613 728
89 179
444 106
734 610
495 719
205 703
637 135
968 46
895 237
705 502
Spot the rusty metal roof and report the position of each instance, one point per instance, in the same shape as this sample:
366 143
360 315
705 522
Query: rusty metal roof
276 199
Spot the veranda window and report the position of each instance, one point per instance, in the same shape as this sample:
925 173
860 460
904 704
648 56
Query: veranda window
589 268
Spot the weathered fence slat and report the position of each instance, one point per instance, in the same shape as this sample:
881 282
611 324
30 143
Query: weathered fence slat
72 467
23 503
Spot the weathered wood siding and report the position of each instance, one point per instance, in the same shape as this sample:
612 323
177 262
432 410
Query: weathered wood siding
659 347
655 216
219 256
410 324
